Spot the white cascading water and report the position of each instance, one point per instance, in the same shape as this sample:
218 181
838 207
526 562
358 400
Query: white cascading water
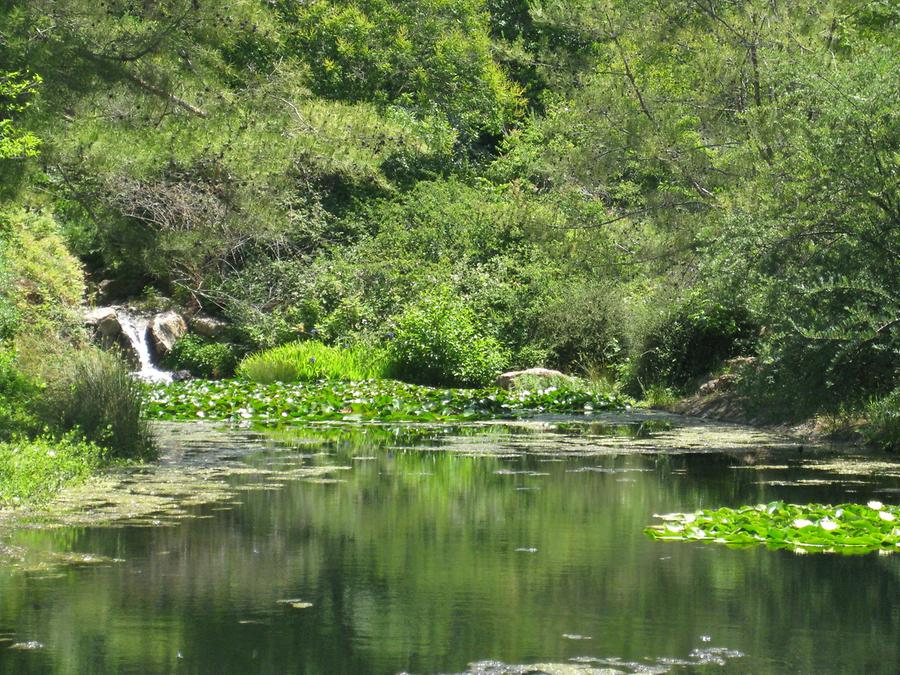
135 329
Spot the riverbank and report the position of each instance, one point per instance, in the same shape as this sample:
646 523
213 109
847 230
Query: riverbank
728 406
33 471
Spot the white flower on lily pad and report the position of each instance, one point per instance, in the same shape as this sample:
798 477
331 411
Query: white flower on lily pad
875 505
802 522
828 525
887 515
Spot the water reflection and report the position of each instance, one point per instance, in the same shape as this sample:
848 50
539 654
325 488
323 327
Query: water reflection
452 549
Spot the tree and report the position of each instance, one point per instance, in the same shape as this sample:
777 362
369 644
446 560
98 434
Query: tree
16 88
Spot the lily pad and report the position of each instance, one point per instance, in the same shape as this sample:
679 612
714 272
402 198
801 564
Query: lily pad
845 528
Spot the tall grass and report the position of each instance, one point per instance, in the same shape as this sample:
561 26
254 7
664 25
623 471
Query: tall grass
312 360
882 428
96 394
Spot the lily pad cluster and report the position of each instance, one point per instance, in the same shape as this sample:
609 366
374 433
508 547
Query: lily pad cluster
372 400
846 528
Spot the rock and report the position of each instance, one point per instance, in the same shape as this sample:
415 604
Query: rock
103 320
105 325
182 376
127 351
721 383
506 380
165 329
208 326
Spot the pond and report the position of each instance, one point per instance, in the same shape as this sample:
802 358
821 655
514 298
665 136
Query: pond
486 548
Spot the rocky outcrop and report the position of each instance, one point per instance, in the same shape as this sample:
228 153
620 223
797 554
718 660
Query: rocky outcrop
106 329
165 329
508 380
208 326
104 325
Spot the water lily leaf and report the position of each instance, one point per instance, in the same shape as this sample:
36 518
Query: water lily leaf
847 528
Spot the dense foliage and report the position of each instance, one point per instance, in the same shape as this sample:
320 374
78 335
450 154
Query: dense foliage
634 191
202 357
438 341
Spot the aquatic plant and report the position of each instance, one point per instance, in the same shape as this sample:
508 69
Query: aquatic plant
311 360
381 400
846 528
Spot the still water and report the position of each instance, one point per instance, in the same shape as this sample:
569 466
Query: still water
462 549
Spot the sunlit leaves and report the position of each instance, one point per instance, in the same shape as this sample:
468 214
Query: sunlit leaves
15 90
847 528
381 400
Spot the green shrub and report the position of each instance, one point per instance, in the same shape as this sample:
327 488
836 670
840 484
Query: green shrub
17 392
694 339
582 326
312 360
438 342
41 283
38 469
882 428
202 357
95 393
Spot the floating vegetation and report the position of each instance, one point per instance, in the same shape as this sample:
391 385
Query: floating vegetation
645 428
199 468
591 665
540 438
40 563
847 528
516 472
858 466
296 603
382 400
30 645
604 469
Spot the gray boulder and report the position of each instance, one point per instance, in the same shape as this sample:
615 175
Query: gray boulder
507 380
208 326
165 329
104 324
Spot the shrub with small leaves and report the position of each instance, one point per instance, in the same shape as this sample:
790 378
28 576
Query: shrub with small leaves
203 358
438 342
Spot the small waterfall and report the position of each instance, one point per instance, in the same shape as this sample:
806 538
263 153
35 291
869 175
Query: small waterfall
136 329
